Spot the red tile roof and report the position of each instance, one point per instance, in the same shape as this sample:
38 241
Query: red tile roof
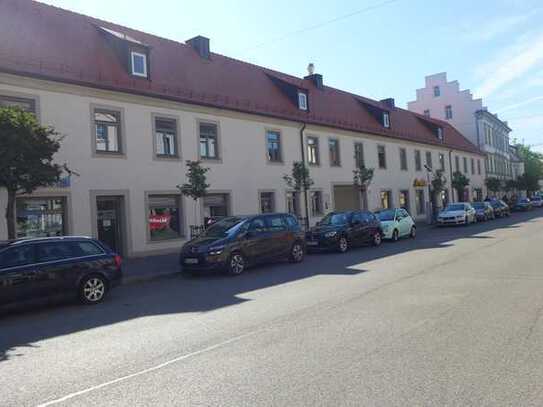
51 43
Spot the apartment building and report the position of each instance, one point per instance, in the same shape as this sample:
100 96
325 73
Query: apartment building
444 100
133 108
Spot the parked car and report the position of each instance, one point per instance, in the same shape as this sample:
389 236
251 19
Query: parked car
484 211
501 209
236 242
42 268
537 201
461 213
522 205
396 223
342 230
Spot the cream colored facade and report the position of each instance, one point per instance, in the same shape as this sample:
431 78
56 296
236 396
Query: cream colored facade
242 172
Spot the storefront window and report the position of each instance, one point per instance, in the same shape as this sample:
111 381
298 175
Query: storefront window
215 207
164 217
419 197
40 217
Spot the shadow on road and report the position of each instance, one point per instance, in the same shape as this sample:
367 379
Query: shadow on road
175 294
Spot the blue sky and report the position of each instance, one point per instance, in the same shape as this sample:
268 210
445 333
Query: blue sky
376 48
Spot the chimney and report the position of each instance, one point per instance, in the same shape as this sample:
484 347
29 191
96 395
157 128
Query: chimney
389 102
314 77
201 45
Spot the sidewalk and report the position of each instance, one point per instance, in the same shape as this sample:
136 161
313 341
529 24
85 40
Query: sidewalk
141 269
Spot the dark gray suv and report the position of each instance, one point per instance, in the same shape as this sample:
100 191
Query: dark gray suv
236 242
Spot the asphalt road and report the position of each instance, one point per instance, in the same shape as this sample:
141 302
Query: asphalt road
453 318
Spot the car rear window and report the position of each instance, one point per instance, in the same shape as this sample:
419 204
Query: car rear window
81 249
17 256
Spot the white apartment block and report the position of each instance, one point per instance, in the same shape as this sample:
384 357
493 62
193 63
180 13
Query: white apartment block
444 100
133 108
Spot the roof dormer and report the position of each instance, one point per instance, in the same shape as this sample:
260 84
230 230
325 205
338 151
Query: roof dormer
381 114
297 95
133 54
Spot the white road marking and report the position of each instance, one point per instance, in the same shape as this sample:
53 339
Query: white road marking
145 371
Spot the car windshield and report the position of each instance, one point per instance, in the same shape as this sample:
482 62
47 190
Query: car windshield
224 227
335 219
385 216
457 207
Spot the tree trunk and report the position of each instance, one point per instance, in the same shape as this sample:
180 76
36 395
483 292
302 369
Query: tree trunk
10 214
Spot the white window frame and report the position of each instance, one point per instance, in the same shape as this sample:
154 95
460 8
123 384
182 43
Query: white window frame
302 100
386 120
139 54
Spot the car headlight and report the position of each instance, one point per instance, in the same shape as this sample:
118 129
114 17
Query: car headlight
460 216
330 234
215 251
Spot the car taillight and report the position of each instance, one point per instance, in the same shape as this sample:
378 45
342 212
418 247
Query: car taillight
118 261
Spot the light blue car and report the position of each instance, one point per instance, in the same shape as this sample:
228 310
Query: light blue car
396 223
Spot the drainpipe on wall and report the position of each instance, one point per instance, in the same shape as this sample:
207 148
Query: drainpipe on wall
304 180
450 172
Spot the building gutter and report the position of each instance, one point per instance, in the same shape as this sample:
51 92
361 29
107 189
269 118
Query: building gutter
451 172
304 181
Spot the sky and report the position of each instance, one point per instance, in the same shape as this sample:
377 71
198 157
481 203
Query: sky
374 48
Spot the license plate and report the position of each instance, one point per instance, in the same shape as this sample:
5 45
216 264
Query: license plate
191 261
310 243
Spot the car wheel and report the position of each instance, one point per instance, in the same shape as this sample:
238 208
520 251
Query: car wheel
377 239
296 253
343 244
236 264
93 289
413 233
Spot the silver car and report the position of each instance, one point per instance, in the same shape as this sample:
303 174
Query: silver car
461 213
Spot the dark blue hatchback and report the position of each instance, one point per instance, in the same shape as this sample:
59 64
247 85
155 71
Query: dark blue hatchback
38 269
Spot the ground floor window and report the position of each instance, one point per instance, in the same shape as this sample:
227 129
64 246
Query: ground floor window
477 194
404 200
386 199
164 217
41 217
267 202
216 206
293 203
316 203
419 201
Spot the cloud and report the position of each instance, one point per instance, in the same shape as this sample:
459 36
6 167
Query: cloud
514 62
520 104
497 27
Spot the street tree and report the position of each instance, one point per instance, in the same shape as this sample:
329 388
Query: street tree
493 184
196 185
300 181
362 178
26 157
459 183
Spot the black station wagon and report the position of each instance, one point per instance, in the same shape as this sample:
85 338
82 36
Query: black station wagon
41 268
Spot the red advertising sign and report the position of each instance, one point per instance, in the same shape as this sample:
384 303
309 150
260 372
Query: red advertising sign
159 222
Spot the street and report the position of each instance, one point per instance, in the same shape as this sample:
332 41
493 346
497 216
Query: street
453 318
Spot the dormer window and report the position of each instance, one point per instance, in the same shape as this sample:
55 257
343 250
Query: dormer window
302 100
138 64
440 133
386 119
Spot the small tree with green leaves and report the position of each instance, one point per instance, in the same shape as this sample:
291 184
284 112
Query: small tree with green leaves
439 183
459 183
196 185
510 185
362 178
299 179
26 157
493 184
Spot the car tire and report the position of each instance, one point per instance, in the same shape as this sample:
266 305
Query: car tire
377 239
93 289
395 235
296 253
342 244
413 233
236 264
